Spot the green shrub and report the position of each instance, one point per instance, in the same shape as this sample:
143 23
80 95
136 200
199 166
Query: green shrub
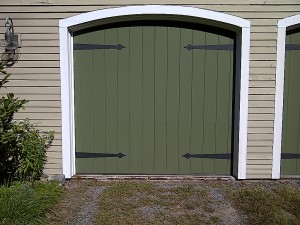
22 146
27 203
32 146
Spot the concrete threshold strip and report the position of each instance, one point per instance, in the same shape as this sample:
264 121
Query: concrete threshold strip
153 177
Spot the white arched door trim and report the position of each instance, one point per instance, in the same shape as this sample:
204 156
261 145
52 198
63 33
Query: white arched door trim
282 25
66 26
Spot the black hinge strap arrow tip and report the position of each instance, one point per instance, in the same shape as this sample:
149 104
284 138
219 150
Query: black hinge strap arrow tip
207 156
290 156
210 47
96 46
98 155
291 47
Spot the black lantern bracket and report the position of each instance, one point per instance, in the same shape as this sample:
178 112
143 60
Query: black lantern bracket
11 44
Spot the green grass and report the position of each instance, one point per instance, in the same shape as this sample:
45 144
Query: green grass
262 206
26 203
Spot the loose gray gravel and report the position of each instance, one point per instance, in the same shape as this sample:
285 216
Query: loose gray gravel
88 206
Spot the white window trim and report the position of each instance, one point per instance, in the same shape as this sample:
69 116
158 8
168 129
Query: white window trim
66 66
281 35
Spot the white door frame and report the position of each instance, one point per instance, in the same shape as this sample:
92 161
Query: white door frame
282 25
67 26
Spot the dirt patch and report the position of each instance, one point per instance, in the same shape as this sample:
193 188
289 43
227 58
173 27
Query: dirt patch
79 204
224 210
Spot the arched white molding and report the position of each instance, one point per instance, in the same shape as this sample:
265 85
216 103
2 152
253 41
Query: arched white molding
282 25
241 26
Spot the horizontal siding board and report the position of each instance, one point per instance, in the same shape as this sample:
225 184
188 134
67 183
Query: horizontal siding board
263 71
28 70
37 76
37 30
259 137
264 49
260 149
55 156
52 172
264 36
259 167
40 43
37 64
264 117
57 166
260 143
261 97
46 22
261 83
40 109
265 15
259 176
261 104
259 130
38 50
51 160
262 43
262 91
263 29
261 110
35 15
277 9
263 3
40 57
40 36
263 22
259 155
262 77
259 162
38 116
263 56
260 124
33 83
31 90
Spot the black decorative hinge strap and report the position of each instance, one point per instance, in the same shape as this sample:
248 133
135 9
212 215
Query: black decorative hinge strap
208 156
98 155
290 156
210 47
95 46
290 47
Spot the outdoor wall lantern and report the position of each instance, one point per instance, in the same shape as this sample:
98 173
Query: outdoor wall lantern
11 44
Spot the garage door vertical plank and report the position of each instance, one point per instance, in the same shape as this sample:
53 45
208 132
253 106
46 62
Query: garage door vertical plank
148 100
136 105
185 101
111 100
98 86
83 104
123 100
210 104
197 101
292 107
224 104
296 40
160 99
285 105
174 49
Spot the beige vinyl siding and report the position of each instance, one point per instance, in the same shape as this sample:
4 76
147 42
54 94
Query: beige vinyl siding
36 76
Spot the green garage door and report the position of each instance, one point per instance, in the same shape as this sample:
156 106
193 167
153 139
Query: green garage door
153 100
290 157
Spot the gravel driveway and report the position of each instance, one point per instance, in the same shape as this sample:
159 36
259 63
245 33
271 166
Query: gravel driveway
89 201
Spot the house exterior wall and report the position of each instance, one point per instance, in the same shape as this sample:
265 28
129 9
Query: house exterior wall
36 77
